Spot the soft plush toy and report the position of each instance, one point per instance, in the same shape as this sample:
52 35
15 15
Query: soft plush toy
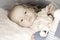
44 20
50 9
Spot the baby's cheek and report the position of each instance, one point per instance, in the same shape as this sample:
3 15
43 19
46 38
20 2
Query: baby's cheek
25 23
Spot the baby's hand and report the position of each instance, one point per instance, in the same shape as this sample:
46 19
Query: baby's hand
32 37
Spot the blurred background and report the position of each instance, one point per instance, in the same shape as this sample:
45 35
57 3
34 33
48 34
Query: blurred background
6 4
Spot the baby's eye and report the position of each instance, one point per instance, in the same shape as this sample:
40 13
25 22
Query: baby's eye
25 12
21 20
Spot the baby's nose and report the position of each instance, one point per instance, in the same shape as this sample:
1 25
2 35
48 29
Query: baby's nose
27 18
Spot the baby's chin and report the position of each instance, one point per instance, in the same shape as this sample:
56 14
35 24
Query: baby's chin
28 25
25 25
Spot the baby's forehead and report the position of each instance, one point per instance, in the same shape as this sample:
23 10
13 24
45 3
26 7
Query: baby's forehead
23 7
20 10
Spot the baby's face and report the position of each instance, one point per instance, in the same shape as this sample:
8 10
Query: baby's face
24 16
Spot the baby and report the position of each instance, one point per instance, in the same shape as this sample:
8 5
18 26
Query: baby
23 15
27 17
